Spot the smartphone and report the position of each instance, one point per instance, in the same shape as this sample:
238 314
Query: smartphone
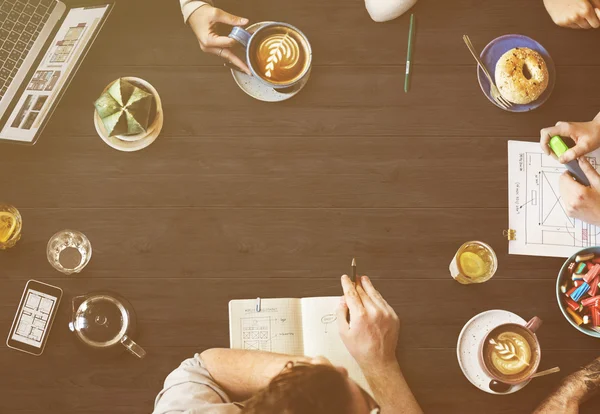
34 318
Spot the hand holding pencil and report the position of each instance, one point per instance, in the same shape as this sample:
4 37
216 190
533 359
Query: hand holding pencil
371 335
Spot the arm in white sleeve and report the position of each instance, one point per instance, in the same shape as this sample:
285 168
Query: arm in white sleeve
190 6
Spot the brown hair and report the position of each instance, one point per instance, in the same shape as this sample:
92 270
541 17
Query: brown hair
313 389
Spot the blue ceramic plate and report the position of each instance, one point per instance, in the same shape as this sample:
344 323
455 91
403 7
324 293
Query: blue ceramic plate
563 275
499 46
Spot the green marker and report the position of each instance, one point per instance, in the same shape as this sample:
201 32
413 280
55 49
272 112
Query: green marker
558 146
411 35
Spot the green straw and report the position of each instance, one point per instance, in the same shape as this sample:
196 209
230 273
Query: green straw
411 34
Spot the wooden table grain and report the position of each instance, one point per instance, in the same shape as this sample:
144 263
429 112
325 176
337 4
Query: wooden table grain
239 198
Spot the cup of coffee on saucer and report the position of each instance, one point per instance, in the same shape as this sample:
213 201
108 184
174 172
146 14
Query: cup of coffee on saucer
510 353
278 54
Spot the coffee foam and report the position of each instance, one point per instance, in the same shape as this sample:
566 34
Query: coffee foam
510 353
280 55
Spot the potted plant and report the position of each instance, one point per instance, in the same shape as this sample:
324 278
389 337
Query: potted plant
128 114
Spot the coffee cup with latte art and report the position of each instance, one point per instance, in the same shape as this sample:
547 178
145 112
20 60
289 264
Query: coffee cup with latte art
510 353
278 54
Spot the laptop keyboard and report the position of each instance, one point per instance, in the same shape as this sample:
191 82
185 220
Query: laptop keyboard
20 24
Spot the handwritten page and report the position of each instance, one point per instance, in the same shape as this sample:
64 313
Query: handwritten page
321 336
276 328
536 210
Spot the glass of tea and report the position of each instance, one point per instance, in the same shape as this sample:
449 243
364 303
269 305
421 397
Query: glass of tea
474 262
10 226
69 251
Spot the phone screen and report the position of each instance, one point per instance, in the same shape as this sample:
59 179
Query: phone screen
34 318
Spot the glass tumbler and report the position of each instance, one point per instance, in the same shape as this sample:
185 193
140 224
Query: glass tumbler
69 251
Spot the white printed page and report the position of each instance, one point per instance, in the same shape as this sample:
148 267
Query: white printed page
321 337
276 328
536 210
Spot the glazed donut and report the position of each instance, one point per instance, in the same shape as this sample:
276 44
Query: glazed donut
521 75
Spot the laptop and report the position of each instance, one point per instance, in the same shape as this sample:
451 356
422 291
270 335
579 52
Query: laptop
42 44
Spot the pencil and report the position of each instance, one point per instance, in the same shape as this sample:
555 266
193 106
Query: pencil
353 270
411 37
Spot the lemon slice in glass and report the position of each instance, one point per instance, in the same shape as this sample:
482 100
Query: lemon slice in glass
472 265
8 223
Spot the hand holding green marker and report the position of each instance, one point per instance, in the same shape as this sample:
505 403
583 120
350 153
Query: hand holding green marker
559 147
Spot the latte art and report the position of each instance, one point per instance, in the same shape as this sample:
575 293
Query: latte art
510 353
279 55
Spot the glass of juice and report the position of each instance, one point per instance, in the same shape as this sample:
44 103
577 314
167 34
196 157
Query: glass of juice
69 251
474 262
10 226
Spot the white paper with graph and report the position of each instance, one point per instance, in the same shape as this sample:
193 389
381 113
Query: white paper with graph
305 326
536 211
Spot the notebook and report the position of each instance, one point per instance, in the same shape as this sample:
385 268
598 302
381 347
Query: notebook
306 326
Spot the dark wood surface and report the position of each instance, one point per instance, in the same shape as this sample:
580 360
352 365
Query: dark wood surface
239 198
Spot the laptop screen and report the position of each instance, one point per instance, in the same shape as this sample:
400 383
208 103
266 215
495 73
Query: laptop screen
45 86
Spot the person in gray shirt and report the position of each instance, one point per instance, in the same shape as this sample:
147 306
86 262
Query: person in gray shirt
228 381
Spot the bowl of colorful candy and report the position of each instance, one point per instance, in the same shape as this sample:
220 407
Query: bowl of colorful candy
578 291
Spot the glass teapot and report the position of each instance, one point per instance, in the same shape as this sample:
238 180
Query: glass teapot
104 320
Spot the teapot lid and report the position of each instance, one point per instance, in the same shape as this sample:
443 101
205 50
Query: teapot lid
101 320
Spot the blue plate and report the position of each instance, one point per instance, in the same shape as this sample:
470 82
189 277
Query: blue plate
564 275
499 46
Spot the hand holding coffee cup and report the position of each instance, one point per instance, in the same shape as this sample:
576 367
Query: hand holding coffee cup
277 54
510 353
204 22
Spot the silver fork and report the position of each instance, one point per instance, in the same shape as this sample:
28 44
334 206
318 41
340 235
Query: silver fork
500 100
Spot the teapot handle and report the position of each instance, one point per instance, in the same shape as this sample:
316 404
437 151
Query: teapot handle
77 300
132 347
75 303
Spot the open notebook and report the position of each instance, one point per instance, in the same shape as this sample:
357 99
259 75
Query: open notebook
305 326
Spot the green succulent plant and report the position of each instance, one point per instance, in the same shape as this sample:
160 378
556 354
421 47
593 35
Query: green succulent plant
124 108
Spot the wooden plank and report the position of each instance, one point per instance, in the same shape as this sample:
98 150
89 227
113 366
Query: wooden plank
261 172
287 242
444 101
341 33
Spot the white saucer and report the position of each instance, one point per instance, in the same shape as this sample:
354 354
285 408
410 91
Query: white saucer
469 340
133 142
256 88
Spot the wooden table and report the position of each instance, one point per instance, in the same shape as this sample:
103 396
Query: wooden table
239 198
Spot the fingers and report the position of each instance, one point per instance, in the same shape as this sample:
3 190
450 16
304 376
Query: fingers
567 185
232 57
374 294
591 16
561 129
579 150
583 23
219 41
342 316
352 297
222 16
364 296
572 194
590 172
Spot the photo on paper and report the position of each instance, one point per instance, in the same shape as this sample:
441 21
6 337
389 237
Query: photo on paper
39 103
44 80
29 120
65 47
21 115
